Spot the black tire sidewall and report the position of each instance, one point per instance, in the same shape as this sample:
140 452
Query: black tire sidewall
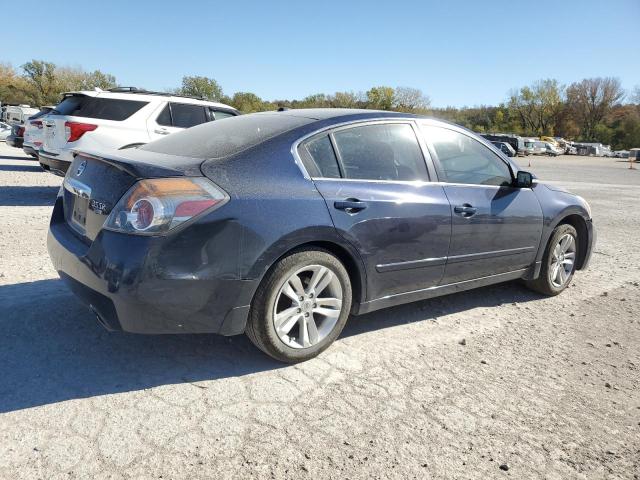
559 231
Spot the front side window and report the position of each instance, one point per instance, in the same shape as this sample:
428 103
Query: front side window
466 160
186 116
381 152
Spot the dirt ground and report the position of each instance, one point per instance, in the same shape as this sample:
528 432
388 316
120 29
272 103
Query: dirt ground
542 387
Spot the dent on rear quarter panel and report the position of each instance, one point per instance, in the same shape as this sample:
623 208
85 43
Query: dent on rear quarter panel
275 207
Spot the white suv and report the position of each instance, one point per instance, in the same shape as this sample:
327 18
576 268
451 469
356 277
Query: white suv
116 119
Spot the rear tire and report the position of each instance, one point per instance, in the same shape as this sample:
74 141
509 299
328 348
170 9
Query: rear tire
301 306
558 262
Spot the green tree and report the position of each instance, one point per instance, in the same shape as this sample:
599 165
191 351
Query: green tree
41 78
380 98
203 87
248 102
538 105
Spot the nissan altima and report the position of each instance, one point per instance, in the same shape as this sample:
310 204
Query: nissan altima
281 225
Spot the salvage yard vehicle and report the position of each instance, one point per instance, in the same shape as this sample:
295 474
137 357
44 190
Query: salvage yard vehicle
120 118
33 132
505 148
16 136
282 224
5 130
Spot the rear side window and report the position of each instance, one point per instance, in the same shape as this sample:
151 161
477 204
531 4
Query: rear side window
381 152
165 116
186 116
220 114
320 152
96 107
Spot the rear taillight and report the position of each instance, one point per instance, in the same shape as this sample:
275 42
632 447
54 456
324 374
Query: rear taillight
21 131
74 130
37 123
155 206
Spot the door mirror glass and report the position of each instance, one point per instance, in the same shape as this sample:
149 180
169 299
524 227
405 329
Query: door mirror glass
524 179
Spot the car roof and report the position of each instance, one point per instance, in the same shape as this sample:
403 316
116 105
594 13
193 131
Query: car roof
147 96
327 113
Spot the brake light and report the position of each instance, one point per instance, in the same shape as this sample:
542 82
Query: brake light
74 130
155 206
21 131
37 123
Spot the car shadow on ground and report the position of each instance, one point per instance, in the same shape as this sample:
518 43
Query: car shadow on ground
32 196
35 167
12 157
52 349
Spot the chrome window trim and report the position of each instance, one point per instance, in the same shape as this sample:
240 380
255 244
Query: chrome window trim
424 147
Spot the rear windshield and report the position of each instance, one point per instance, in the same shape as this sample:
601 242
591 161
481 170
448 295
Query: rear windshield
96 107
222 139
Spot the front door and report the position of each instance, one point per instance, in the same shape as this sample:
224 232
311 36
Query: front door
375 183
496 227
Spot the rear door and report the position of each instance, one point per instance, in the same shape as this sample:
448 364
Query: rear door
496 227
376 185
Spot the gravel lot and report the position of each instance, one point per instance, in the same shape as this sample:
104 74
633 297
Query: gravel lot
546 387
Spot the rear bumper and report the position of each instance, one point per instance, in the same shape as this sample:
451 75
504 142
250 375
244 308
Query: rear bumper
50 163
29 150
123 280
14 141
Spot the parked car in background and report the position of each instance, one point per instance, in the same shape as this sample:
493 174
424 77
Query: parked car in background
5 130
33 132
282 224
15 138
552 150
515 141
118 119
621 154
505 148
539 148
634 155
18 114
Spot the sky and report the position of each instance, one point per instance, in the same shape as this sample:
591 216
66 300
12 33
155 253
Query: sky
458 52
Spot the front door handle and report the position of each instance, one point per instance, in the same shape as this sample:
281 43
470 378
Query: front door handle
350 205
465 210
162 131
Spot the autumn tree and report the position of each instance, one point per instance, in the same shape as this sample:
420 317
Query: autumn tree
590 100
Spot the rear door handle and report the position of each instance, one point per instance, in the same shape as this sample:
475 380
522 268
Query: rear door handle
465 210
350 205
162 131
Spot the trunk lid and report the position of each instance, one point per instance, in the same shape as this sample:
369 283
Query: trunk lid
95 183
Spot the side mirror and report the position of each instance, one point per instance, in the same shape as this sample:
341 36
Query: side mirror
524 179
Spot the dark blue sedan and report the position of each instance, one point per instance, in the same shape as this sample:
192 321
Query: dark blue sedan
282 224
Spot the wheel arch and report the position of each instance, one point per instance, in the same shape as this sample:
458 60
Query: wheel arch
580 224
348 257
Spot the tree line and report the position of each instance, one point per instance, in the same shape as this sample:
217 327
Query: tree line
593 109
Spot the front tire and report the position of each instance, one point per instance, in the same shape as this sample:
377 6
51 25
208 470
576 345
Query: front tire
301 306
558 262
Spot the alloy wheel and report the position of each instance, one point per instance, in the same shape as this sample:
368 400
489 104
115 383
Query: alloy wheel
307 306
563 259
